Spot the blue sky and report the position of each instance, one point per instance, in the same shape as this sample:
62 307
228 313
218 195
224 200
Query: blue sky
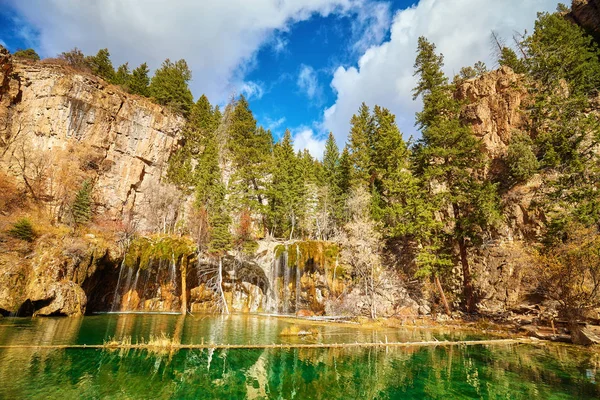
305 65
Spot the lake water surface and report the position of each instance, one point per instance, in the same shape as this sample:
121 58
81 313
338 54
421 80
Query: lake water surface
519 371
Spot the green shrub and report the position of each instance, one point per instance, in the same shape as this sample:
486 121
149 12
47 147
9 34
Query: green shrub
23 230
29 54
520 158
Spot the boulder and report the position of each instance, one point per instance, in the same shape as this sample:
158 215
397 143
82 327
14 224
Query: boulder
58 298
585 336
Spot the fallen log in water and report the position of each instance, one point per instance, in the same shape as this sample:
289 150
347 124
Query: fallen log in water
177 346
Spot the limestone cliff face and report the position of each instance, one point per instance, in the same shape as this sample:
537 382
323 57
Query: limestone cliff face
49 108
57 127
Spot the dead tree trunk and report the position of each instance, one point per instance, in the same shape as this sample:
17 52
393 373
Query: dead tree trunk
442 295
183 270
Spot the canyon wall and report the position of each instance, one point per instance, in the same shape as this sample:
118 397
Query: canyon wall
50 111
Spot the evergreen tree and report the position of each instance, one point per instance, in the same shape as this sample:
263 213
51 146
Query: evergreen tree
343 186
221 240
198 137
361 134
450 158
392 178
286 189
139 81
169 86
23 230
521 159
29 54
559 49
331 158
250 150
122 76
82 205
101 65
509 58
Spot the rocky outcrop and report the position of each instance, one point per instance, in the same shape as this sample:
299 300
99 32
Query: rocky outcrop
586 13
494 107
59 127
123 141
54 277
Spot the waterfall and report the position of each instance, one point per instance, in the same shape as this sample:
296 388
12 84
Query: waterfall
273 288
286 282
157 282
298 288
128 282
133 288
173 273
114 302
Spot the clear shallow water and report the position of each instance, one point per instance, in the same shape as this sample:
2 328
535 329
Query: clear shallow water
482 371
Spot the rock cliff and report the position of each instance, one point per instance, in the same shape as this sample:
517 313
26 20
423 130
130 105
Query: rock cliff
47 109
586 13
58 127
494 107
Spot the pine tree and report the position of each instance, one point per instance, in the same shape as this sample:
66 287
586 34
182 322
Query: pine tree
23 230
343 186
286 189
509 58
331 158
101 65
361 134
250 149
139 81
449 157
169 86
122 76
82 205
29 54
559 49
390 164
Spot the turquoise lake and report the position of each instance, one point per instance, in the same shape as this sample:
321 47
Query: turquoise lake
499 371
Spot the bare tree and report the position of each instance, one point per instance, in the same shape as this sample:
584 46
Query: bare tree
211 274
360 245
164 203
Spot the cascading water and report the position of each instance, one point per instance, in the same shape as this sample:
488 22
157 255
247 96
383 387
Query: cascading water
116 295
132 289
273 285
297 278
173 274
127 285
286 281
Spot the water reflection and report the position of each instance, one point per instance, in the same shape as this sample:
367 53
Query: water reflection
500 371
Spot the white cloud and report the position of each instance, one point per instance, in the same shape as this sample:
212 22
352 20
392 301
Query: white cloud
273 124
305 138
308 83
2 43
370 25
252 90
384 74
279 44
218 38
